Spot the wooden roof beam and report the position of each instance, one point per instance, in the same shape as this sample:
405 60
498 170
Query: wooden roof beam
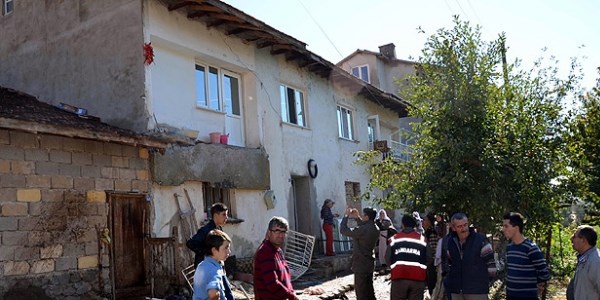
181 4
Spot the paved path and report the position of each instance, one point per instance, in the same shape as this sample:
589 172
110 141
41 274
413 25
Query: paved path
338 287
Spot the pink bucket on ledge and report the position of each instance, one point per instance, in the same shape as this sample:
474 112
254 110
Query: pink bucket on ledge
224 138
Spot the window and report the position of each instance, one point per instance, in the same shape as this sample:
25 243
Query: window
231 94
361 72
217 89
345 123
214 195
353 194
292 106
7 7
373 129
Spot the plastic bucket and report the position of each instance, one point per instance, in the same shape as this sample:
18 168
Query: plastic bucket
215 137
224 138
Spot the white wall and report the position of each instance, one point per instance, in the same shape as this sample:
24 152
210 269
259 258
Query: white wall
178 43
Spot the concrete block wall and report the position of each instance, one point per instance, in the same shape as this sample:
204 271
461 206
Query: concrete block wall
53 203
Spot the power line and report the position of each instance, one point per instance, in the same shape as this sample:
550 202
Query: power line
321 29
475 13
461 9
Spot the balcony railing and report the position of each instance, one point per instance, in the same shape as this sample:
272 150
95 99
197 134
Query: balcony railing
400 150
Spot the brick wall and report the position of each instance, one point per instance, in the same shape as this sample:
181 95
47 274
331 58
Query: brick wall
52 205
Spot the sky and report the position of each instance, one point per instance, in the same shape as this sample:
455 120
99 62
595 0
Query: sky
333 29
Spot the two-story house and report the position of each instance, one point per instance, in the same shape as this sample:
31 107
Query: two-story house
388 73
199 73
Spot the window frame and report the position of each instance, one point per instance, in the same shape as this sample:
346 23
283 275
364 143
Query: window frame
229 107
288 116
360 75
345 117
210 192
373 129
5 11
212 94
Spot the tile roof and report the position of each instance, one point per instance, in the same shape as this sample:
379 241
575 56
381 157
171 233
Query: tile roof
20 111
232 21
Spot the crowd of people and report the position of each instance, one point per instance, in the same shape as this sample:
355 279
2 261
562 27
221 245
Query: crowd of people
449 260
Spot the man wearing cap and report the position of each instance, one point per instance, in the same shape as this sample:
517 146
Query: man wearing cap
407 256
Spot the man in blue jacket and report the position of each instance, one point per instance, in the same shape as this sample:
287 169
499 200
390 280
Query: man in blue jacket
469 258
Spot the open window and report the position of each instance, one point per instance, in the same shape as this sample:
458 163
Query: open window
7 7
345 122
217 89
374 130
292 105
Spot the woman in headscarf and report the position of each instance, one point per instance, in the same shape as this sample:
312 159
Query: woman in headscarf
384 223
327 217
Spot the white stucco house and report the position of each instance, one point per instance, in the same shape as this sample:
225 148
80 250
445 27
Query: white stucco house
390 74
181 70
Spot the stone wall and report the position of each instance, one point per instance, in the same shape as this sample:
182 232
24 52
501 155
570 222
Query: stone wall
53 204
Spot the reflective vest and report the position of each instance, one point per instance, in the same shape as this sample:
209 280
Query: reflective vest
408 256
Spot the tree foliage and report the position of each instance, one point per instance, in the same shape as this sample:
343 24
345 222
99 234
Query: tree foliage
585 149
489 138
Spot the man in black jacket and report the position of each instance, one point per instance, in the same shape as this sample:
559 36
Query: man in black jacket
218 211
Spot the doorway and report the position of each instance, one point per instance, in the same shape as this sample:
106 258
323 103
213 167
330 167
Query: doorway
128 215
303 205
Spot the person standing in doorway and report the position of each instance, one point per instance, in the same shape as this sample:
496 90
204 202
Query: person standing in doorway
272 278
328 225
364 238
470 260
407 256
218 213
526 269
585 285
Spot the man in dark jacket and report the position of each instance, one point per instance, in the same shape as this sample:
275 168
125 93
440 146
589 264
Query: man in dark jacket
407 255
364 237
218 211
470 261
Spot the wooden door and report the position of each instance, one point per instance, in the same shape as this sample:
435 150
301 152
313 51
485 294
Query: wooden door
128 219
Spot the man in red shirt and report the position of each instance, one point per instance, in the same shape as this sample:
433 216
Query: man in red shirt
272 278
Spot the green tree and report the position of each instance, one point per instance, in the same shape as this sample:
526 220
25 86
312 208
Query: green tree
585 147
489 138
